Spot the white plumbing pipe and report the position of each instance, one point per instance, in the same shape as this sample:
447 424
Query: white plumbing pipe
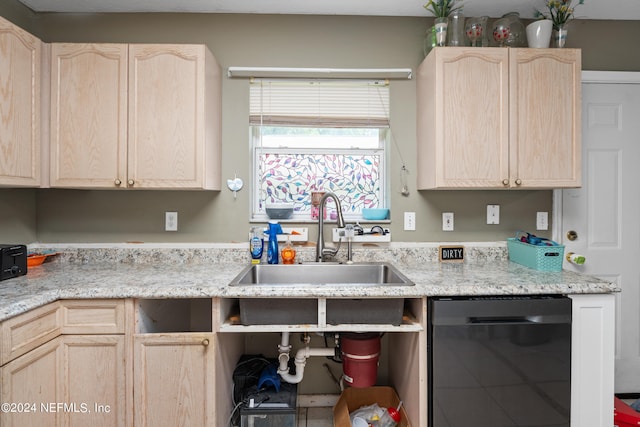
300 361
283 352
284 342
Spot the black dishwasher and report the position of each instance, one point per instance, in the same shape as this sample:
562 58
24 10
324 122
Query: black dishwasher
499 361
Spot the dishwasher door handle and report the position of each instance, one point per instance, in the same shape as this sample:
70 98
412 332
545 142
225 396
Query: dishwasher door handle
519 320
500 320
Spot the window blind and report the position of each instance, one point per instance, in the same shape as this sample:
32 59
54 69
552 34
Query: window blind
319 103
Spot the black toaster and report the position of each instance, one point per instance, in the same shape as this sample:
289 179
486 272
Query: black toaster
13 261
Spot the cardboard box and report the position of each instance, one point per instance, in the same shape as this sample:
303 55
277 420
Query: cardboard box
354 398
624 415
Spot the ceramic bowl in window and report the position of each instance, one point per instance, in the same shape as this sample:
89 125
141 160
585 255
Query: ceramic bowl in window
279 210
375 214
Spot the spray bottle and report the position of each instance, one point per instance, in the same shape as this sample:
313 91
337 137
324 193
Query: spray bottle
256 244
272 249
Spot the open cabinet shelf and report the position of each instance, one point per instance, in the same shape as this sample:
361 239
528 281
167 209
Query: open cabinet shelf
231 321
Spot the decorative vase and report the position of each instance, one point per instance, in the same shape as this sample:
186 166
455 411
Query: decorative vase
517 36
475 30
539 33
455 29
441 25
429 40
501 32
560 35
484 21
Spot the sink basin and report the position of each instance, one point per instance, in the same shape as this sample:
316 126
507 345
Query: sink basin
318 274
307 311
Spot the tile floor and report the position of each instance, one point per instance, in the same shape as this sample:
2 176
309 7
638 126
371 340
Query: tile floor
315 417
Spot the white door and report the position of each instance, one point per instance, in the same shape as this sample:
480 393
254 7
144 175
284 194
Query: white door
605 212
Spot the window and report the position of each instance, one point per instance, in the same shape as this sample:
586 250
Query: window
319 135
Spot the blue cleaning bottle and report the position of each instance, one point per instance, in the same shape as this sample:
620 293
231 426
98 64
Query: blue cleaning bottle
272 249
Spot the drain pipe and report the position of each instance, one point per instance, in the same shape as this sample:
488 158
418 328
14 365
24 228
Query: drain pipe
300 360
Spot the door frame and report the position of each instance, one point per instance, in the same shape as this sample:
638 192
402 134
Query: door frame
611 77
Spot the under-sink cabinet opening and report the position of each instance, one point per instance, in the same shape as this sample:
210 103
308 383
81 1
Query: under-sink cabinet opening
400 361
326 314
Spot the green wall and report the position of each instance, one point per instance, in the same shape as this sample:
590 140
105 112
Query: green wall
289 41
18 13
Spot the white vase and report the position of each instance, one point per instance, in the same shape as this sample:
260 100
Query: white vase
539 33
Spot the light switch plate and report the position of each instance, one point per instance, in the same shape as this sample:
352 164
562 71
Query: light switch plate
447 221
171 221
493 214
409 221
542 220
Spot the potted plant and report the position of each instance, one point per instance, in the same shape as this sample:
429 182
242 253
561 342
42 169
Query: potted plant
441 9
559 12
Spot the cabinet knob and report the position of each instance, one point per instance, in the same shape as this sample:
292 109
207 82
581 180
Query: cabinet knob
518 181
505 182
117 182
131 182
205 342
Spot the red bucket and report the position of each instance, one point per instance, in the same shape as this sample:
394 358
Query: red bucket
360 354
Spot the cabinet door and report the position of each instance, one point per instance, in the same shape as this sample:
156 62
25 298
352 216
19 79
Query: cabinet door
88 115
166 116
19 106
174 380
463 125
93 374
32 379
545 118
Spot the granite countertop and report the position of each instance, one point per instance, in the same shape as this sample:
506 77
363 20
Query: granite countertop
111 275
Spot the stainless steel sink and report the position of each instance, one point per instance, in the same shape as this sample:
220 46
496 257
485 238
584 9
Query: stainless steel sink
318 274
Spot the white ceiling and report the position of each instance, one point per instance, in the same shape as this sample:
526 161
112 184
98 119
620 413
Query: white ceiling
592 9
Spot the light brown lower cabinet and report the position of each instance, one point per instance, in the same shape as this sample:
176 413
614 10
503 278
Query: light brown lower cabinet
65 365
92 376
28 382
174 380
70 381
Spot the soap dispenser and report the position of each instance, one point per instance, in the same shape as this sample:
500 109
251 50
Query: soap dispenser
272 249
256 244
288 253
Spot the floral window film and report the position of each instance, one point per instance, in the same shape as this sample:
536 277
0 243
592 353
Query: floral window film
355 179
301 149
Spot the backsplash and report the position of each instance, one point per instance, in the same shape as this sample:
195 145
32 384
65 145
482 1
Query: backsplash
403 254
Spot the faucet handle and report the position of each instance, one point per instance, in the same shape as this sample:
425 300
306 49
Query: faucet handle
331 252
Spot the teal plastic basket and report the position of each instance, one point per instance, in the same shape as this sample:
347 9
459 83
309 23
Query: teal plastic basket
542 258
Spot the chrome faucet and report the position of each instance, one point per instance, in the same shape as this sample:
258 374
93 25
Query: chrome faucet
321 249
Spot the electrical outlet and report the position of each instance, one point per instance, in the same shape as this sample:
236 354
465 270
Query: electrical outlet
171 221
409 221
447 221
542 220
493 214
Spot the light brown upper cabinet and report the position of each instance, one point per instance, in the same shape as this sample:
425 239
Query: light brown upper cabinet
135 116
20 75
493 118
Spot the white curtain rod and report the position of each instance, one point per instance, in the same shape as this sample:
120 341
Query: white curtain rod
335 73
